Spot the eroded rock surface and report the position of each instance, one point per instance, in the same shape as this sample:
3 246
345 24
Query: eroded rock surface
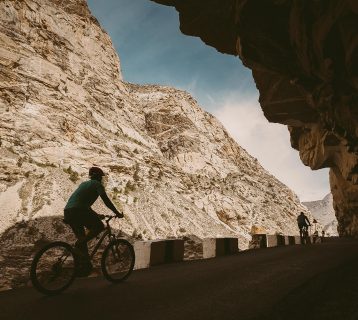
304 59
323 212
172 167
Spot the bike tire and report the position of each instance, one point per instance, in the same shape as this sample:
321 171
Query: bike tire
35 264
127 255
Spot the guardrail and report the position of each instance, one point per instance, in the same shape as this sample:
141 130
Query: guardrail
156 252
269 241
151 253
217 247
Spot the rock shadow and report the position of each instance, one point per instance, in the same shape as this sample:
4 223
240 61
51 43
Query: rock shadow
22 240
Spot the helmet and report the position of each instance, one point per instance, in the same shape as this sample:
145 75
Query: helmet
95 171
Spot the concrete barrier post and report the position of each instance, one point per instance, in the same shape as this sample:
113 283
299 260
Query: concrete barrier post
291 240
297 240
174 250
220 249
258 241
272 241
142 254
226 246
280 240
166 251
287 241
157 252
232 245
209 248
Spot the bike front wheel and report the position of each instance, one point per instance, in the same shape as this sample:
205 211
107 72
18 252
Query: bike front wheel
118 260
53 268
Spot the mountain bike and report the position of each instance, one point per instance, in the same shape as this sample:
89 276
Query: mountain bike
55 266
305 238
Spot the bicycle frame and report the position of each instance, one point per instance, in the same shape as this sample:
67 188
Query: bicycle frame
304 231
304 235
54 276
107 233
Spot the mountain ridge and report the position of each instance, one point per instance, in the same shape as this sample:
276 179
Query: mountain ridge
323 211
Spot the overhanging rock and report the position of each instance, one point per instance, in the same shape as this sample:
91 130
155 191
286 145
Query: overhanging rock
304 59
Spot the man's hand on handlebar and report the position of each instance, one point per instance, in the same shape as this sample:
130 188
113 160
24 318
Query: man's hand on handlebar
105 216
119 214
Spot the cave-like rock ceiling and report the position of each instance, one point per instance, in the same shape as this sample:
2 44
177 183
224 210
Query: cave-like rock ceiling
304 58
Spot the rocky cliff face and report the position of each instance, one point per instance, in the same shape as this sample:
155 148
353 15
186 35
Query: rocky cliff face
304 59
172 167
323 212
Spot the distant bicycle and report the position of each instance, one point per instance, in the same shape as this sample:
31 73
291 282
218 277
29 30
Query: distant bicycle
53 268
305 238
317 238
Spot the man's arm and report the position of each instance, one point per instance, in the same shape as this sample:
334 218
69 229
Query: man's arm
308 222
110 205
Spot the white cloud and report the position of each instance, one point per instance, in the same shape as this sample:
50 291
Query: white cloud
270 144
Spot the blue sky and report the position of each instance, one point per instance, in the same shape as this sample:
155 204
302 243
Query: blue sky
153 50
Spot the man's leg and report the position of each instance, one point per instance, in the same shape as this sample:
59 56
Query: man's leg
94 225
301 234
74 218
81 244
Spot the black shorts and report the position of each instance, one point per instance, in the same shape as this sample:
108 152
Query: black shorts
83 217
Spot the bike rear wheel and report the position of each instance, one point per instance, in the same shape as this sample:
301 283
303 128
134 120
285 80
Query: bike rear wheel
53 268
118 260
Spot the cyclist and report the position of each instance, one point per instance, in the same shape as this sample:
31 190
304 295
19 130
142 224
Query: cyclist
79 214
302 222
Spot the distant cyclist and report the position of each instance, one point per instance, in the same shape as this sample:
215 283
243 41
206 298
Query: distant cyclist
79 214
303 222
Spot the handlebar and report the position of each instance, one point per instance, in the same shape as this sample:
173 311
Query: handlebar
107 217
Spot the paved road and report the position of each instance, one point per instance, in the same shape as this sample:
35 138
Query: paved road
261 284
